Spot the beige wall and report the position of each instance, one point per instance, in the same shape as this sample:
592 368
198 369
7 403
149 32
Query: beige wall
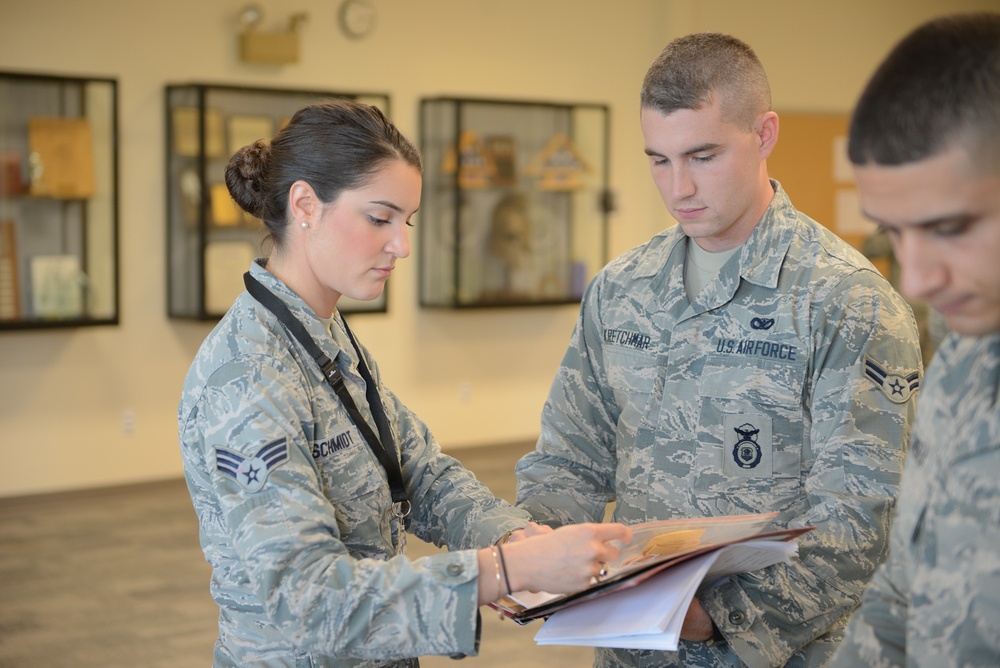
63 393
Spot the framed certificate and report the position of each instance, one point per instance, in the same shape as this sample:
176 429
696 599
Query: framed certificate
56 287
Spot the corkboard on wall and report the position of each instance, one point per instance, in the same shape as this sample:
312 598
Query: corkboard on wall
810 162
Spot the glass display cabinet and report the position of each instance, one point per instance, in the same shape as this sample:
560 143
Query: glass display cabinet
515 201
210 240
58 201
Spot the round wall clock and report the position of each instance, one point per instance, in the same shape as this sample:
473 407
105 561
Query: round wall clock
357 18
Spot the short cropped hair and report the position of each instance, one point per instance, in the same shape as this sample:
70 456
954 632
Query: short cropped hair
938 88
691 69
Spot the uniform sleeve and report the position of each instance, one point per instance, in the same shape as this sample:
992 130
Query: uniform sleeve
859 420
935 599
278 536
568 478
876 634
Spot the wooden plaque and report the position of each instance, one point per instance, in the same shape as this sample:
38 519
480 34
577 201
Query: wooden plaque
62 158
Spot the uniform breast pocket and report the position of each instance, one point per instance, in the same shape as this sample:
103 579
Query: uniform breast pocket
631 376
353 483
751 429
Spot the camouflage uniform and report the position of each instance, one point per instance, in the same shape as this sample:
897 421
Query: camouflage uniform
295 510
785 386
935 601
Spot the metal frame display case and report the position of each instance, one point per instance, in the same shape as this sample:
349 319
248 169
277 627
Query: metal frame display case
58 201
515 201
210 241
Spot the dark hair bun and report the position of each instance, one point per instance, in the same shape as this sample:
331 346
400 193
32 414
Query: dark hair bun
245 176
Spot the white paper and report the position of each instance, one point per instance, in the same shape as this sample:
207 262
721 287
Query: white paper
651 614
640 614
752 555
530 599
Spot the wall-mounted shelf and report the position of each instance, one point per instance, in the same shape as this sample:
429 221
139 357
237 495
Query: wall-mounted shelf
58 201
515 201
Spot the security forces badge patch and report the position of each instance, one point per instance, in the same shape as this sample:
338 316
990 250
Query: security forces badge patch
747 446
252 472
898 388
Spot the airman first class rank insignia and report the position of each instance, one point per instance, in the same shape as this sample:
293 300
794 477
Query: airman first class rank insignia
251 472
897 388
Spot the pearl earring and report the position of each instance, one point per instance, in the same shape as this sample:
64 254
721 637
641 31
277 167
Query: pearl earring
304 224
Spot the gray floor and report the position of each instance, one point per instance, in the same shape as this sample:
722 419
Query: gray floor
115 577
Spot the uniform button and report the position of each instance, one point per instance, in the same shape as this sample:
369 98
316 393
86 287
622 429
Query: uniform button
737 617
455 569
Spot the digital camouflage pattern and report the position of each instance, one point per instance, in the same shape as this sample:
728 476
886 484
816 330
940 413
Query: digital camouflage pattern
787 385
935 602
295 510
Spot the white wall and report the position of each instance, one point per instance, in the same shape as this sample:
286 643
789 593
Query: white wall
63 393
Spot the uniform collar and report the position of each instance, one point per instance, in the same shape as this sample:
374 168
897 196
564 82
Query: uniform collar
762 255
314 325
764 252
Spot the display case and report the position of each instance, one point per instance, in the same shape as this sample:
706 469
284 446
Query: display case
210 240
515 201
58 201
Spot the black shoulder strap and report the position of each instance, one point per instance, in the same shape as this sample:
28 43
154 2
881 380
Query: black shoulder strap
383 449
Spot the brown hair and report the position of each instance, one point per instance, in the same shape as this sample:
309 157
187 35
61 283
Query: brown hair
334 146
691 69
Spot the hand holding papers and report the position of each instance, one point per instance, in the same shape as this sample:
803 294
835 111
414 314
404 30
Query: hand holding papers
670 560
650 616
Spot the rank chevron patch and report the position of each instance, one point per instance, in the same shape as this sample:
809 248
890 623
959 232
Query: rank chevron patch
252 472
897 388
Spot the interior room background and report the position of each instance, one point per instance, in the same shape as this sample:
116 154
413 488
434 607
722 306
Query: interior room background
96 406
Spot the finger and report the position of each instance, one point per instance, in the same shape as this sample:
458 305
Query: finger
612 531
602 572
534 529
607 553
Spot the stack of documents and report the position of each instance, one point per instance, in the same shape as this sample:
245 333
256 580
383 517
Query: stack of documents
642 602
650 616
